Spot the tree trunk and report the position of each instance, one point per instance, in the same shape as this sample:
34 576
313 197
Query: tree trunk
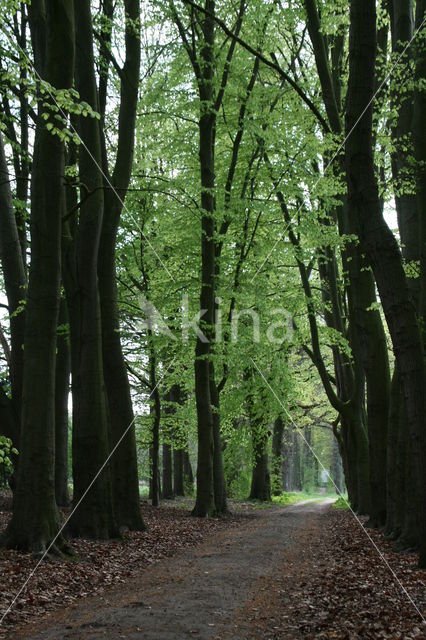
155 411
277 446
35 521
287 460
375 363
371 340
350 465
419 138
396 462
297 463
124 465
167 430
167 472
154 479
62 388
205 505
261 479
13 269
218 473
378 242
188 474
178 472
94 517
336 467
402 28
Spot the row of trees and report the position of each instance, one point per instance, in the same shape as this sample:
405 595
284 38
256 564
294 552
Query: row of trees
221 182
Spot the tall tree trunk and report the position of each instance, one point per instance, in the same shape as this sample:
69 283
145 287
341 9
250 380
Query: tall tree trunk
167 472
178 472
378 242
336 467
396 458
90 447
205 505
35 521
402 28
261 478
296 464
368 325
167 430
124 461
188 474
375 363
419 138
155 410
277 447
218 472
173 474
287 460
62 388
13 269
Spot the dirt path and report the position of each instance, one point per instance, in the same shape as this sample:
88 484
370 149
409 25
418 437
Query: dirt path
199 593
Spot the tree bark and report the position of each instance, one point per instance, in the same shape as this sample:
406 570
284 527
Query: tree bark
35 521
296 484
94 517
371 341
124 465
419 139
336 467
396 460
220 500
378 242
167 431
178 472
13 269
205 505
62 388
167 472
261 478
188 474
402 28
277 447
375 363
156 417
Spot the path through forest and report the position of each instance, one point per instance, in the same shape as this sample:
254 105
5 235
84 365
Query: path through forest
286 573
197 593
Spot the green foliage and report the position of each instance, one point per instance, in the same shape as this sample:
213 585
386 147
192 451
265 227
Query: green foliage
291 497
341 503
7 450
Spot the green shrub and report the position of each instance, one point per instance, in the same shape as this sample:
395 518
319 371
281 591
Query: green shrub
6 466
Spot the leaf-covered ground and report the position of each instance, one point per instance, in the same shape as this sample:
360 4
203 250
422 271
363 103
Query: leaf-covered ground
337 585
275 574
100 565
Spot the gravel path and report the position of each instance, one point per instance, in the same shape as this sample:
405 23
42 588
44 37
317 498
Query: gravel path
199 593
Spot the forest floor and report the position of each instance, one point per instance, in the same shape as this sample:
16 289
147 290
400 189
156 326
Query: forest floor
303 571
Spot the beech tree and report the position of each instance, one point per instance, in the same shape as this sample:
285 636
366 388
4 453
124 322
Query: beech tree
378 241
35 522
